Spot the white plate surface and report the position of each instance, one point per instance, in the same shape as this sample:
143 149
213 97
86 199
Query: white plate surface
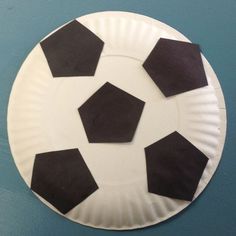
43 116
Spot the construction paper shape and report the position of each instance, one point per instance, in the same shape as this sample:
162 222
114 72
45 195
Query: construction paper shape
111 115
175 66
174 167
73 50
62 178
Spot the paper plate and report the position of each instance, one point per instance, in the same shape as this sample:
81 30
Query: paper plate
43 116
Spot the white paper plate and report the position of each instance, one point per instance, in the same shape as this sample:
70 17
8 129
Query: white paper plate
43 116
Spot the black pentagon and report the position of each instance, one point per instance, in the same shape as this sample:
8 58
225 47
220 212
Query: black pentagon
73 50
110 115
175 66
174 167
62 178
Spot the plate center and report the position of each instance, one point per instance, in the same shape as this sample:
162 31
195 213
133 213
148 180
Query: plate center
113 163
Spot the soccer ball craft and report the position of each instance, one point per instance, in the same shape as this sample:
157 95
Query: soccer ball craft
112 116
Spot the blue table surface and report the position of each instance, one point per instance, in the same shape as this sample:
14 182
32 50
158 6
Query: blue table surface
211 23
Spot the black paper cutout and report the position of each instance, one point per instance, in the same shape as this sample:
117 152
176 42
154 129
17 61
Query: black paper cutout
175 67
174 167
110 115
62 178
73 50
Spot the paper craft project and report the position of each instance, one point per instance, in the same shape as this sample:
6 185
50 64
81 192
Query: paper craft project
62 178
175 66
174 167
127 168
73 50
111 115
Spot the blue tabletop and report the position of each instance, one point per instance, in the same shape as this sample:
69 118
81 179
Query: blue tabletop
211 23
